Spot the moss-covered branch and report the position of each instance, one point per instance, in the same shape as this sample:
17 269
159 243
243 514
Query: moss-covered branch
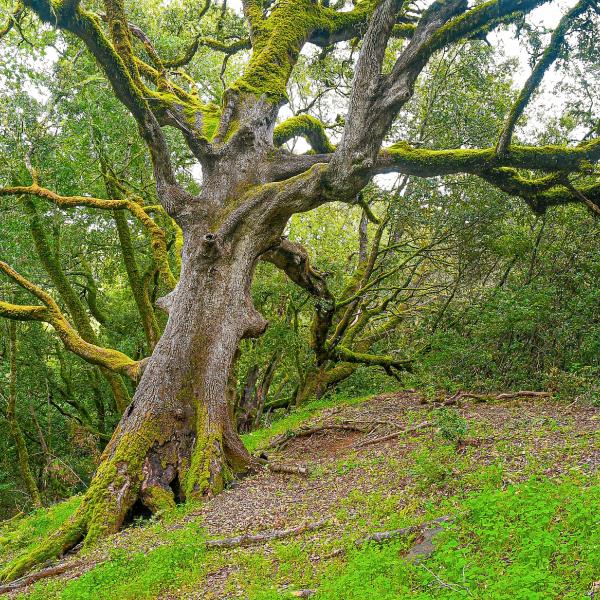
156 234
306 126
13 19
105 357
423 162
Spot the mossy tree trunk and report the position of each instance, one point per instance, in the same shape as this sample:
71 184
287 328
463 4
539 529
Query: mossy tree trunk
177 440
13 423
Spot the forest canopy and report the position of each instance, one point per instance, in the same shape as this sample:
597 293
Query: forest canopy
213 212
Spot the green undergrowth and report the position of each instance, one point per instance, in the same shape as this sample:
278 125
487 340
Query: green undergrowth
260 438
536 540
21 535
520 528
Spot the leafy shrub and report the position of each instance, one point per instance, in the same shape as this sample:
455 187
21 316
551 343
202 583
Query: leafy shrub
451 425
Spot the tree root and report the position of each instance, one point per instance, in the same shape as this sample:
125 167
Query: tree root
239 541
266 536
460 395
395 434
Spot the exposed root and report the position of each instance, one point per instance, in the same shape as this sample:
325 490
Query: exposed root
62 540
282 440
43 574
264 537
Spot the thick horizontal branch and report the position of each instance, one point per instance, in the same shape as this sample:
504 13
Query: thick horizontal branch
423 162
379 360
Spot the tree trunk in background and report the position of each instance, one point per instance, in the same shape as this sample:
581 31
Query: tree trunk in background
13 423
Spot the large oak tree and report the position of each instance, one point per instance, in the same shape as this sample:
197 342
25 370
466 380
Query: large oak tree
176 439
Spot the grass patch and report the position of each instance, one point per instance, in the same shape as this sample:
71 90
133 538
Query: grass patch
536 540
294 419
20 536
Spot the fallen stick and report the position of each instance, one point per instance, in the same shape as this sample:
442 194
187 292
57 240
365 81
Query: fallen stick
266 536
395 434
233 542
502 396
427 529
33 577
263 463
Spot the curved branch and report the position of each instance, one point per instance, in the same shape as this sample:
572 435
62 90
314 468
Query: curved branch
208 42
305 126
548 57
156 234
293 260
50 313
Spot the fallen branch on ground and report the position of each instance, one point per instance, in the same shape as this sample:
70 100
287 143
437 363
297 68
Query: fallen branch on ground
43 574
232 542
263 463
483 397
428 530
266 536
395 434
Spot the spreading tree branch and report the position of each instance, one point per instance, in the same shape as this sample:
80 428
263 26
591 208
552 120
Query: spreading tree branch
50 313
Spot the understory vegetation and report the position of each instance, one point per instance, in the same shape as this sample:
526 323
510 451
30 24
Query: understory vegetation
518 485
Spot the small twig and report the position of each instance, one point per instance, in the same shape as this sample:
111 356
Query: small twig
455 398
395 434
281 440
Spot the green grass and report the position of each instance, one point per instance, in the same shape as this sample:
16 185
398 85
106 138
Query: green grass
536 540
136 575
261 437
21 535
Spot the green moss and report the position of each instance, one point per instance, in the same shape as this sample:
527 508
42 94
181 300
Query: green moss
159 499
277 41
305 126
206 474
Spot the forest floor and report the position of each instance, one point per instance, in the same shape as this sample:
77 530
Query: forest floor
510 510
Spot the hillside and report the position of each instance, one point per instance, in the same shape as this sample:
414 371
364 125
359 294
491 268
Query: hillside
507 506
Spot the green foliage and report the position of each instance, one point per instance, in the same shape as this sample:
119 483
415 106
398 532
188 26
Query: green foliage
137 575
534 540
21 535
451 425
